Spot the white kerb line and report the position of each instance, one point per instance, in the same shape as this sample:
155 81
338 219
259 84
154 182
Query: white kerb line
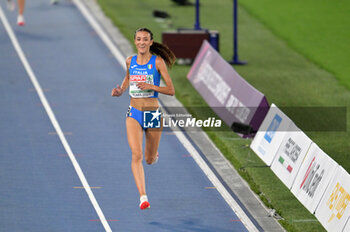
104 37
53 119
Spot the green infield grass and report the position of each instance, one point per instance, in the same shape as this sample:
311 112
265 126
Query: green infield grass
319 30
287 69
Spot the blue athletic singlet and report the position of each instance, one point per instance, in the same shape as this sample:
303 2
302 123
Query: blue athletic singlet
143 73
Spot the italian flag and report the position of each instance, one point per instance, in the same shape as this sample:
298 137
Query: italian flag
149 66
285 164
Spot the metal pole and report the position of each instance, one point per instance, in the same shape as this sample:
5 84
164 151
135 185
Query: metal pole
235 59
197 26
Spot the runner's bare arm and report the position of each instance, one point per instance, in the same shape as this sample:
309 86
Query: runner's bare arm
168 89
117 92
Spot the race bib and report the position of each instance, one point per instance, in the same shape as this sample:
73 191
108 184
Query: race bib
135 92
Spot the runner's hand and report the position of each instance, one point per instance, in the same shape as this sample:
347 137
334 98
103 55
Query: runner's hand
143 86
116 92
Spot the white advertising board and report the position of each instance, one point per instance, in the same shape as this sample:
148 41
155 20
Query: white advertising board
313 177
290 155
334 210
270 135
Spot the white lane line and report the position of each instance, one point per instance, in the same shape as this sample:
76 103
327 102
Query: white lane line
53 119
179 134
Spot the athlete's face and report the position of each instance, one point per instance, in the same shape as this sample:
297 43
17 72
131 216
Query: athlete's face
143 41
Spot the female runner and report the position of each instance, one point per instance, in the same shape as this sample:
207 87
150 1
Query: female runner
143 77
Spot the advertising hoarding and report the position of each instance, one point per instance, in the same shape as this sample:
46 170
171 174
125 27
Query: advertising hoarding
313 177
290 155
270 135
334 210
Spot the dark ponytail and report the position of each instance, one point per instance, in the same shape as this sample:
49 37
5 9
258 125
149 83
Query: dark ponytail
160 49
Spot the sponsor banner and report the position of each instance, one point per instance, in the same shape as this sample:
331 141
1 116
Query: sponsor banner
290 155
334 209
232 98
270 135
314 175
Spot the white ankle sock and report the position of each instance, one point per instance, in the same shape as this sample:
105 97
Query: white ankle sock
143 198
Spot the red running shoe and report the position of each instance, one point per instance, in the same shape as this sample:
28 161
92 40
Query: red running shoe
144 204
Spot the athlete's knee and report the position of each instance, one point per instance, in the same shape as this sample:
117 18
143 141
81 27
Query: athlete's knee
137 156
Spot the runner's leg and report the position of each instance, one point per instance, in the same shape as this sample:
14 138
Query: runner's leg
21 4
20 17
135 134
152 144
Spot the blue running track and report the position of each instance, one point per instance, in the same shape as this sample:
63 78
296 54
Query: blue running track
39 187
